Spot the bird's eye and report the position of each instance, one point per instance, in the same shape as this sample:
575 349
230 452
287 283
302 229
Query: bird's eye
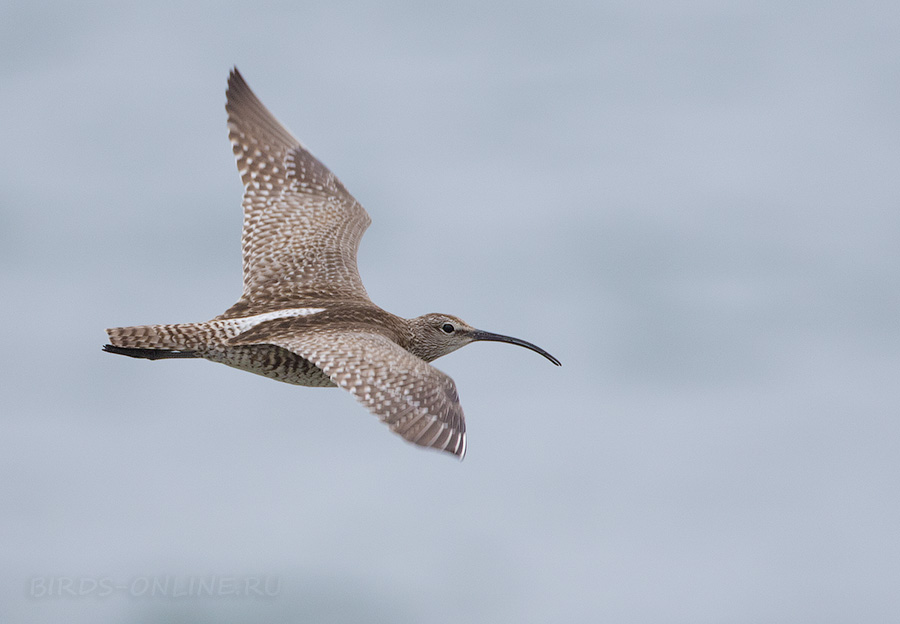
447 327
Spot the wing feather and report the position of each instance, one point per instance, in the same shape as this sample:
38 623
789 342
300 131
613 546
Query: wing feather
416 400
301 227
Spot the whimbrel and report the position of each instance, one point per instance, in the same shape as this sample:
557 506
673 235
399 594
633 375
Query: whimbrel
304 317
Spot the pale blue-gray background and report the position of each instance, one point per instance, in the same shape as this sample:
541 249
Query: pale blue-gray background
694 205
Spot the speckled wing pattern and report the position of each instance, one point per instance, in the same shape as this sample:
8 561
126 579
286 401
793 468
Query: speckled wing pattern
301 226
413 398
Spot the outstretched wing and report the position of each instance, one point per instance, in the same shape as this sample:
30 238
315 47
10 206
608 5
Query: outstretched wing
413 398
301 226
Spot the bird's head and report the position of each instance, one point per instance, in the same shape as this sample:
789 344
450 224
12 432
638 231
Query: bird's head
435 335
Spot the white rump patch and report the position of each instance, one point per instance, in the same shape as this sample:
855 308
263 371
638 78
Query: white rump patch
243 324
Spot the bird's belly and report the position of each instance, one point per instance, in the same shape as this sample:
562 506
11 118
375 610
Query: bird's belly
272 362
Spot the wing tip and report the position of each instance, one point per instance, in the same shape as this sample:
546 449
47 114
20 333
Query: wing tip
235 79
237 86
461 451
247 114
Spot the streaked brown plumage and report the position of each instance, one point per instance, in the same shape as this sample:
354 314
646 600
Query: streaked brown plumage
304 316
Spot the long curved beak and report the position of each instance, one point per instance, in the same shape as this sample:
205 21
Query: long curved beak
483 335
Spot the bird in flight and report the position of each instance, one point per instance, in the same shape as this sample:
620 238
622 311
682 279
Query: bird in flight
304 316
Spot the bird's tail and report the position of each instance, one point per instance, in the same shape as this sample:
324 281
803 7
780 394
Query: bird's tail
155 342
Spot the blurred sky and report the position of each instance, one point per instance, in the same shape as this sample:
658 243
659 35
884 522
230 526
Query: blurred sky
693 205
